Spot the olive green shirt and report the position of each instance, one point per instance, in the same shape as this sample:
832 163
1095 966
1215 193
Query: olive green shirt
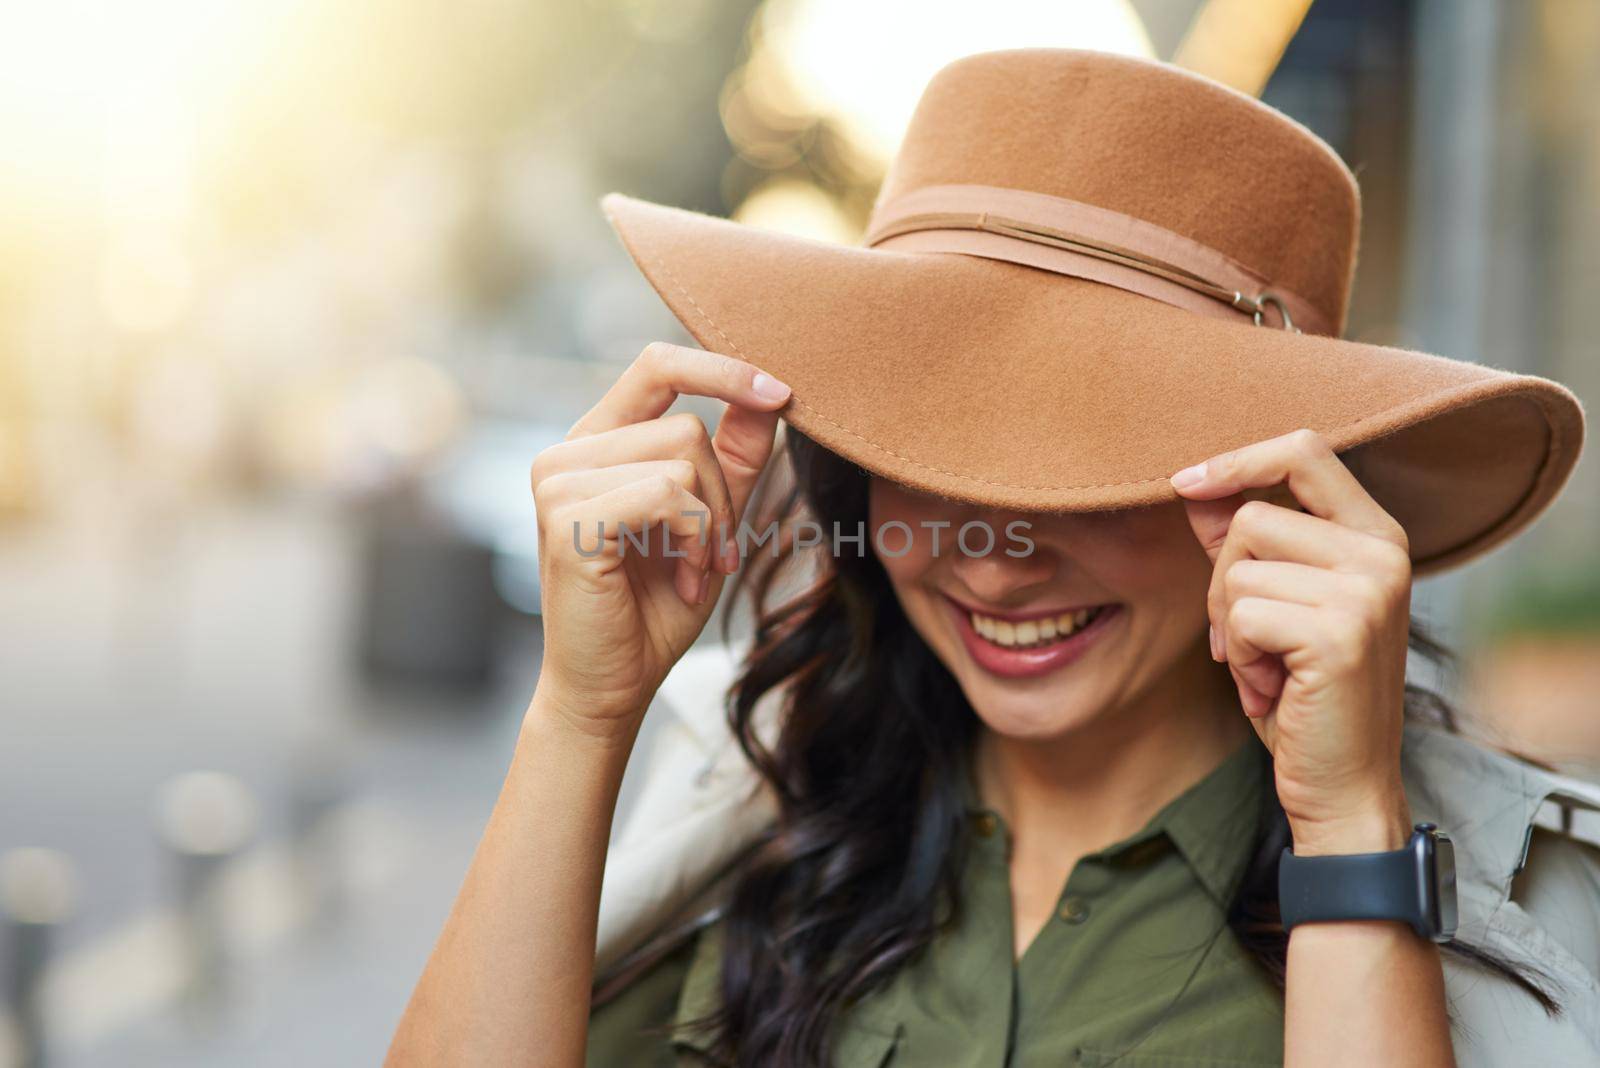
1136 967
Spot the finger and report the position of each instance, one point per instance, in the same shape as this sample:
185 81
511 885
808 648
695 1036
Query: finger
1239 539
679 435
1277 628
663 372
1259 672
1315 475
1266 533
1285 581
1282 628
1255 703
1210 519
743 445
559 490
597 525
1263 531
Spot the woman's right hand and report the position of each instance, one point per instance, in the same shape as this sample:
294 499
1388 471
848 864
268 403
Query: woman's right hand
616 620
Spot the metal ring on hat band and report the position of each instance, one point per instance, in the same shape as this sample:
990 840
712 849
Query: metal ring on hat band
1260 301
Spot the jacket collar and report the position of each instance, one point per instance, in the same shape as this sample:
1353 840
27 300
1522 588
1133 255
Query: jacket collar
1486 800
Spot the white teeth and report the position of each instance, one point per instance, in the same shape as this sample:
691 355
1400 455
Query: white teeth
1033 631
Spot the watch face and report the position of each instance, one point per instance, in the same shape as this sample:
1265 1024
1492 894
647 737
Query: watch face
1444 868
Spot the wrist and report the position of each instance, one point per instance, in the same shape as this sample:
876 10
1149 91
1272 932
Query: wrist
563 718
1379 827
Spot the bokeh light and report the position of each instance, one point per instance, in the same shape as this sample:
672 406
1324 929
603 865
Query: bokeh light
863 65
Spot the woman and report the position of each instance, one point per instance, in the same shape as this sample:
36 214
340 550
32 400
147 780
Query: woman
1025 812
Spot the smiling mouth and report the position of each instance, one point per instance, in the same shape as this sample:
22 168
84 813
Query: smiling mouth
1032 633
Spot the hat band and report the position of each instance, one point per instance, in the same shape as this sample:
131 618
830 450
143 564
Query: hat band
1086 241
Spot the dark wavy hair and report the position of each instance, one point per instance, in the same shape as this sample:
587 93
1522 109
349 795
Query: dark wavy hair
861 869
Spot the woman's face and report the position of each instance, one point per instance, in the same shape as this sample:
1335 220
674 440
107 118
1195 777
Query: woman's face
1011 628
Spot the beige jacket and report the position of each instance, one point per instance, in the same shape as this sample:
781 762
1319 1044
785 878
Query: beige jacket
1526 889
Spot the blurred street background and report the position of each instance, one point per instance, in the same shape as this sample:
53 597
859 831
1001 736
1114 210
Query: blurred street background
292 292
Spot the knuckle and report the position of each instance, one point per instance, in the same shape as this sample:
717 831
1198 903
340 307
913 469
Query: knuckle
1392 563
547 493
658 354
1252 514
662 488
1402 546
544 465
684 430
1308 443
1400 553
1232 580
683 472
547 516
1370 591
660 362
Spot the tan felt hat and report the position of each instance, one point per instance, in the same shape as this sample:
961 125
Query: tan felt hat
1085 272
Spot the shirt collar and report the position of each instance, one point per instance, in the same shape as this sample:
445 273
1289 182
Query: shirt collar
1213 823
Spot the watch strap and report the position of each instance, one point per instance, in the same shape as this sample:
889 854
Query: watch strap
1355 886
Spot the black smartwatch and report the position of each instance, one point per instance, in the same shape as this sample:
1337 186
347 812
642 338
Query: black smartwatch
1415 884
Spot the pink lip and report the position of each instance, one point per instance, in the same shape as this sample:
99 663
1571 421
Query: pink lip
1025 663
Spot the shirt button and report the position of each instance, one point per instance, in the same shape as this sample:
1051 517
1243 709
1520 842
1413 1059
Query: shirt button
985 823
1074 910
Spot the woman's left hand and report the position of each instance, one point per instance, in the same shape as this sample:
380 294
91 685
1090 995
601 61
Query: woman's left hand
1311 611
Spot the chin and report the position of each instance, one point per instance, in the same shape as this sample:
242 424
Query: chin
1039 712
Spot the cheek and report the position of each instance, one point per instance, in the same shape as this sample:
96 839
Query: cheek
1167 565
1147 556
898 525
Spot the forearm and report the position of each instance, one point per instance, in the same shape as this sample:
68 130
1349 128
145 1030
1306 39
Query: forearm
1364 992
508 981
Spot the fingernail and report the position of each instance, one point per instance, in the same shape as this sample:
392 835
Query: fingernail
700 590
1189 476
730 557
1211 636
769 388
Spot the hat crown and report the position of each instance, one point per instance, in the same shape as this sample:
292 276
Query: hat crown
1149 140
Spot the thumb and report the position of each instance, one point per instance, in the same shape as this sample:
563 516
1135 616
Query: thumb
743 445
1210 519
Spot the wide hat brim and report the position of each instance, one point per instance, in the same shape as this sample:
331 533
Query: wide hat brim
1009 386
